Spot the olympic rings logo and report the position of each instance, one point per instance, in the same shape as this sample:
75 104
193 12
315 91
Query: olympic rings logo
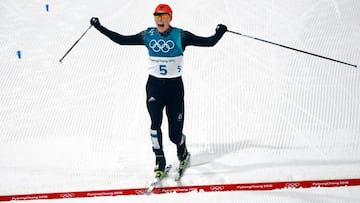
67 195
161 45
217 188
139 192
292 185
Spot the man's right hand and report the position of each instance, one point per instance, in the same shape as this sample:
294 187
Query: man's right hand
94 21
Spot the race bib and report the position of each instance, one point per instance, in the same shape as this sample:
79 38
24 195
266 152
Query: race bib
165 67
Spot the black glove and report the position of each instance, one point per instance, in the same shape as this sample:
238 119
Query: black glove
94 21
221 29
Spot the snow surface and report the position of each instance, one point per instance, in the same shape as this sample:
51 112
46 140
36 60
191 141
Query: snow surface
255 112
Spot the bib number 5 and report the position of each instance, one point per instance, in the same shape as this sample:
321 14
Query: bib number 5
164 71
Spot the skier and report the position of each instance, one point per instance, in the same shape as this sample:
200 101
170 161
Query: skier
164 88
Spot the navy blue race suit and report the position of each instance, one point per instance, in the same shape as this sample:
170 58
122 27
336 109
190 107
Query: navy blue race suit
164 88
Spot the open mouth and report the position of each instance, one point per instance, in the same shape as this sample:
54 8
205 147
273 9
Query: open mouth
160 25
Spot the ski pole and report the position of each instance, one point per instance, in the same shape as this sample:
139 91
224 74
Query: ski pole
305 52
75 43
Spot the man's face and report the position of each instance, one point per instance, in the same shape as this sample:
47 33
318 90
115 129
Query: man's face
162 21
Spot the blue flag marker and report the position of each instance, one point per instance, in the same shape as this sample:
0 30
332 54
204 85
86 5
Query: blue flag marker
47 7
18 54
